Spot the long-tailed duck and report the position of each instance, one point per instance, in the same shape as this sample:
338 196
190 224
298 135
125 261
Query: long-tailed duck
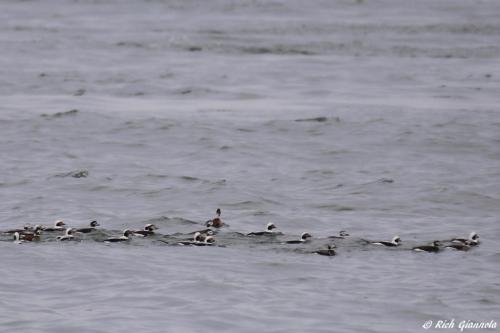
125 237
32 235
20 238
216 222
269 231
207 241
67 236
434 247
17 238
197 237
328 252
26 228
342 234
473 239
303 238
31 231
459 247
396 241
89 229
149 229
58 226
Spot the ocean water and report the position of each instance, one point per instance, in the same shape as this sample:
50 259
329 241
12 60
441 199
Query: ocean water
380 118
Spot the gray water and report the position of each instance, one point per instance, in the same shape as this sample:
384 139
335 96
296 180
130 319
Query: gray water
375 117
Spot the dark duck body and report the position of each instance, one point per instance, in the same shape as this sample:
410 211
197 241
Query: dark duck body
149 230
458 247
207 241
89 229
428 248
473 239
396 241
27 237
269 231
216 222
199 239
303 238
26 228
125 237
36 232
58 226
31 236
329 251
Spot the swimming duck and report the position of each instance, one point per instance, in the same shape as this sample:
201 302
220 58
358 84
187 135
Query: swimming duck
207 241
434 247
27 227
67 236
197 237
473 239
328 252
303 238
58 226
87 230
33 235
31 231
459 247
269 231
149 229
396 241
216 222
28 237
342 234
125 237
203 236
17 238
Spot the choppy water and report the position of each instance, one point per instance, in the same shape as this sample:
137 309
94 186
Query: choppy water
378 118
